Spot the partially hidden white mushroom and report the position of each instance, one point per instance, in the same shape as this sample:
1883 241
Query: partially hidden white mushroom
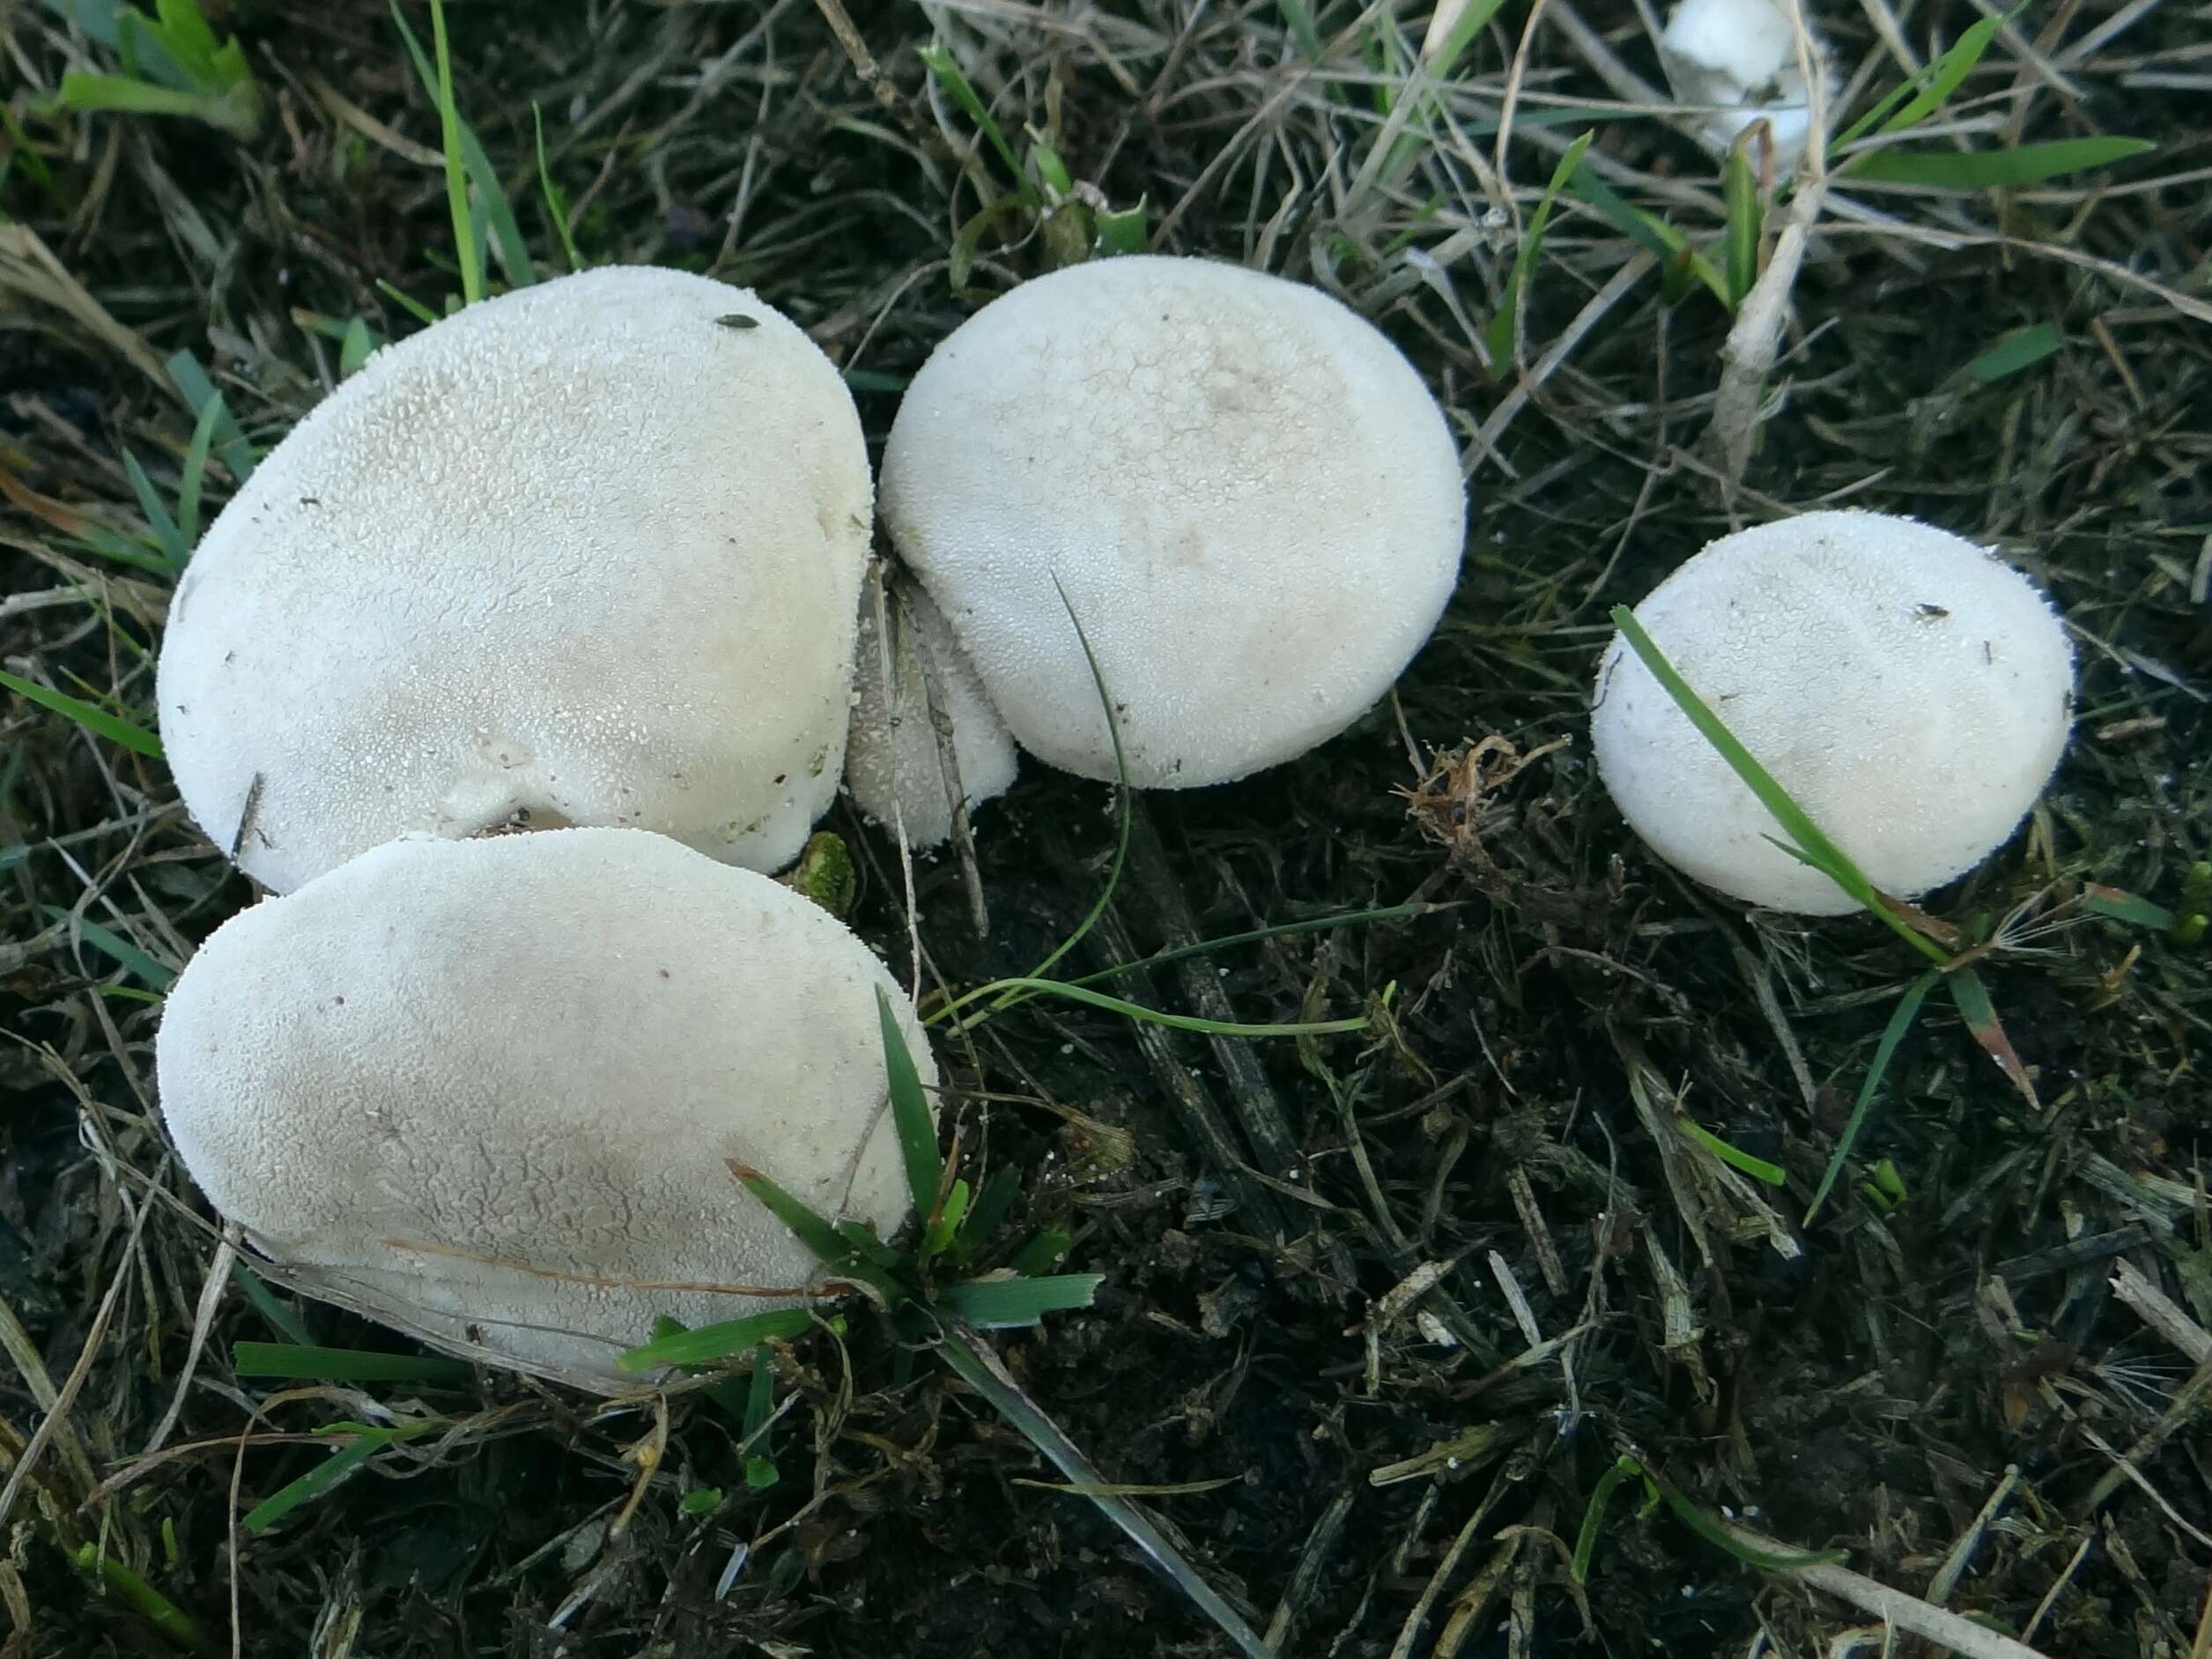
585 554
1242 490
894 760
1909 690
485 1090
1740 58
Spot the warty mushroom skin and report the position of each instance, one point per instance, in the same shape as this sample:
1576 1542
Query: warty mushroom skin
447 1063
894 763
1249 499
1912 692
587 553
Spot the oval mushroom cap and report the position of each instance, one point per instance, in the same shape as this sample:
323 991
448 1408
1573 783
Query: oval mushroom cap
1911 692
474 1089
588 551
894 763
1249 499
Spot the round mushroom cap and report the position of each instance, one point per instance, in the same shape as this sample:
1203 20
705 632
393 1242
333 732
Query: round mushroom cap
585 554
485 1090
1249 499
1911 692
1740 56
894 763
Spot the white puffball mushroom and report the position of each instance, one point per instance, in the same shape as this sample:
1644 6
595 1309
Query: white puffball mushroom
1251 501
585 554
1739 57
480 1090
1909 690
893 762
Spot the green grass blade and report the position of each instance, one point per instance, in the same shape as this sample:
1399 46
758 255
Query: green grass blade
440 84
1994 169
991 1207
95 720
2127 906
407 302
556 199
829 1246
141 1598
195 477
1707 1527
942 64
2021 349
1297 17
1735 1157
1971 996
1125 230
1153 1016
1740 188
172 541
972 1359
1624 1468
1676 257
1809 842
155 974
302 1364
1001 1304
199 391
1041 1252
331 1471
281 1319
1901 1020
708 1344
1935 84
916 1124
1504 327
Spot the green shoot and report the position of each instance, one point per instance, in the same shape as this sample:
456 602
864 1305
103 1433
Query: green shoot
369 1440
93 719
199 392
945 68
1735 1157
1993 169
1506 326
157 975
556 199
705 1345
128 1587
1746 215
1928 91
1901 1020
295 1363
171 65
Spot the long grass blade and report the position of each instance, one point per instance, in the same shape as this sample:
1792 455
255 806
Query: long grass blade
1901 1020
973 1360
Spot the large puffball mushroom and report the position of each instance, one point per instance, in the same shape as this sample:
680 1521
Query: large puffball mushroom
1740 58
1911 692
894 758
586 553
1246 496
485 1090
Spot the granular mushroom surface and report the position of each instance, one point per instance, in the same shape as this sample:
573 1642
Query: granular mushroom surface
1249 499
1911 692
486 1091
584 553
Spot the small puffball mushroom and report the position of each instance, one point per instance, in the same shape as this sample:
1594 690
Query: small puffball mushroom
893 763
485 1090
1911 692
1249 499
585 554
1740 57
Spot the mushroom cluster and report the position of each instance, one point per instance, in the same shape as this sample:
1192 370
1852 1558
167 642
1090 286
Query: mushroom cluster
1909 690
517 664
